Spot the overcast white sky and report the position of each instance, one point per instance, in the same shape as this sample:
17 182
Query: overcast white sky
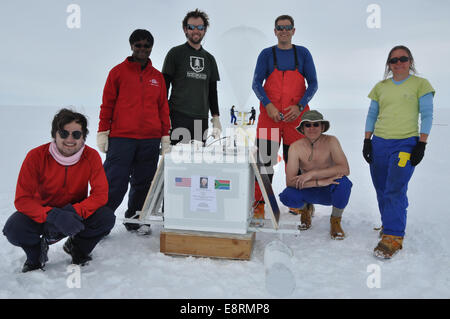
44 62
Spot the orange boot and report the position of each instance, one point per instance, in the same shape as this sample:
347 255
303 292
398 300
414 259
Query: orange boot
388 246
336 231
306 213
258 212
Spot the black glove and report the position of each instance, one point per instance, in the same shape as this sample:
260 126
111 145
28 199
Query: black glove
417 153
66 220
367 150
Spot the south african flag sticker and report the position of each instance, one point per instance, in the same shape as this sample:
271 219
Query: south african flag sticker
222 184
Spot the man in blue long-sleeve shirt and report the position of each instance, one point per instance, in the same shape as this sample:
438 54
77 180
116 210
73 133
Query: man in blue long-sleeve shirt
284 97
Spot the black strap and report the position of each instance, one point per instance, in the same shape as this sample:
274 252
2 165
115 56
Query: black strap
296 58
275 65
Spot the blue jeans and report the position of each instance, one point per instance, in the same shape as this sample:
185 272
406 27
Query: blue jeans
390 177
336 195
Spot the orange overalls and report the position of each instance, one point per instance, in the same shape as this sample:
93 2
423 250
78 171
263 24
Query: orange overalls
283 88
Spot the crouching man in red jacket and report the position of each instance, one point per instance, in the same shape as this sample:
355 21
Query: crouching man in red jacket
52 197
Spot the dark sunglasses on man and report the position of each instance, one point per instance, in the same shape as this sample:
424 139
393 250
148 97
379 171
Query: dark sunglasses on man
199 27
315 124
284 27
65 134
402 59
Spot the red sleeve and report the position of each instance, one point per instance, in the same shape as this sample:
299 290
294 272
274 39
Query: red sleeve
27 200
98 195
110 93
164 109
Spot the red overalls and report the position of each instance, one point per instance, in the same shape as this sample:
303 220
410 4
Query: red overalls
283 88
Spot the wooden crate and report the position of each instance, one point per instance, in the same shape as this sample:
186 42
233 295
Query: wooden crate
206 244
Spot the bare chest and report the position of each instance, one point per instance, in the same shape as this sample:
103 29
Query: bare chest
315 155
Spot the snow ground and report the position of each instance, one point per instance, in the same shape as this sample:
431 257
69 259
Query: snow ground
128 265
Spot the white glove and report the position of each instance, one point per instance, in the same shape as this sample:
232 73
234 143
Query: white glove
165 144
217 128
102 141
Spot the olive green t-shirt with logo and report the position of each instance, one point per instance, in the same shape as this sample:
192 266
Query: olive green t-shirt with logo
398 115
191 71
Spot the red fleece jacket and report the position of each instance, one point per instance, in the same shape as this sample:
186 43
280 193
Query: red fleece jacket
43 184
135 102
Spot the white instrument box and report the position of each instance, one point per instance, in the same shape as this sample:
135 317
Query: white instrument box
208 189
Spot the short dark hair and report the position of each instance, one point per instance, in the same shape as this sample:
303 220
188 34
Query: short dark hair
66 116
141 34
196 14
284 17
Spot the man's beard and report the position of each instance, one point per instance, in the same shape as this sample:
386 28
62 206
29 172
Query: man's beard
190 38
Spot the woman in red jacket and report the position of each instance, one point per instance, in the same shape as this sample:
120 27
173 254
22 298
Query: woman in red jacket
134 121
52 197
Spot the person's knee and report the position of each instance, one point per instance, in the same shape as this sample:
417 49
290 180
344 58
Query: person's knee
342 192
18 230
109 217
291 197
105 218
345 185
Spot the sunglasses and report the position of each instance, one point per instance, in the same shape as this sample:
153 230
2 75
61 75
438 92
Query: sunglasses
402 59
284 27
75 134
139 45
316 124
199 27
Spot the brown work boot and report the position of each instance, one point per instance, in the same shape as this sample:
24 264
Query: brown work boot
306 215
388 246
298 211
336 231
258 212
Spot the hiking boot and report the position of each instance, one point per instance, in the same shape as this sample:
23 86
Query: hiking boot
295 211
306 215
28 266
298 211
78 258
258 212
336 231
131 226
388 246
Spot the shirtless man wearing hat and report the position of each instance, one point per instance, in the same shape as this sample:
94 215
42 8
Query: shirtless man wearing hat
324 170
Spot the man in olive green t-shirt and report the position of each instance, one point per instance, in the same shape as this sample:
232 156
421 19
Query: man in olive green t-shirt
193 74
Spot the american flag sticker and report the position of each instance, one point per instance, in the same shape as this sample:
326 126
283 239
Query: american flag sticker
222 184
182 181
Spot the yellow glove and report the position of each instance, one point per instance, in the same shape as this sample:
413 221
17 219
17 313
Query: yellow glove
102 141
217 128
